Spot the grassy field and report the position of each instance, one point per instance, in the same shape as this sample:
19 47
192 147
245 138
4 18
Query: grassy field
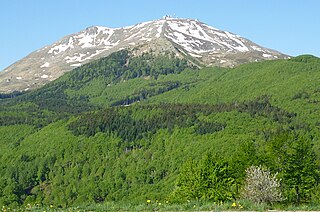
163 206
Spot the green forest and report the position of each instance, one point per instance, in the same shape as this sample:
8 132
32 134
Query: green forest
157 133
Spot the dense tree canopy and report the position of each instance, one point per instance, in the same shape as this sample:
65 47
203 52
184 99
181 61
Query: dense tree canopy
150 127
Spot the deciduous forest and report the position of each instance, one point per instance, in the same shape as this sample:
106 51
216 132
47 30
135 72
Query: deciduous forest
157 131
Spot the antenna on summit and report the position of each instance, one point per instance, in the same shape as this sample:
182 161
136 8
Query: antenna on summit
170 16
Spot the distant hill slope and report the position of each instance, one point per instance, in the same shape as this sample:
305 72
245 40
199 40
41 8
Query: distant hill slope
185 38
282 80
122 80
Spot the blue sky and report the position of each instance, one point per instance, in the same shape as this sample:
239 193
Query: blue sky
289 26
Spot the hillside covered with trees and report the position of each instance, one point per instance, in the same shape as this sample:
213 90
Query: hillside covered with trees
155 128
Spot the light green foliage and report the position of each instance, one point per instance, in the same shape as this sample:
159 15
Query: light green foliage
301 173
120 76
293 156
209 179
63 169
282 80
61 146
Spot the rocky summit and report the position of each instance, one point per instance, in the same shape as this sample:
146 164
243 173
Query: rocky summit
191 39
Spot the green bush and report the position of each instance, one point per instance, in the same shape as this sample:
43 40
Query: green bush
209 179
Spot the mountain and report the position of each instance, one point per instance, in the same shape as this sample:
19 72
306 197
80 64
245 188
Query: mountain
201 44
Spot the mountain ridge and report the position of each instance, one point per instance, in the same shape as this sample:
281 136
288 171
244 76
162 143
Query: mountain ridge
186 38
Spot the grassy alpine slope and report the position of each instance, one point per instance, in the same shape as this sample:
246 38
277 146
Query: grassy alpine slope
71 142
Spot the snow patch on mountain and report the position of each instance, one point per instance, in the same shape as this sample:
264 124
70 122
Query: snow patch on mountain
45 65
160 28
195 55
44 76
76 65
266 55
192 32
241 46
59 48
76 58
257 48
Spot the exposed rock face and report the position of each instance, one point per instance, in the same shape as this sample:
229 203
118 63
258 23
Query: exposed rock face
187 38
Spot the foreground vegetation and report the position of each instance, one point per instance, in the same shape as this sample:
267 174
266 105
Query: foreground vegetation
241 205
153 133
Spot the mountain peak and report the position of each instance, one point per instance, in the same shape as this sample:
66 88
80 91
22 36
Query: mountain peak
185 37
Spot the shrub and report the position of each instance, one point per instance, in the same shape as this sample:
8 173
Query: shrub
208 179
261 186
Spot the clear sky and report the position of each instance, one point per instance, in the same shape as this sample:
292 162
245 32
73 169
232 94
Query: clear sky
289 26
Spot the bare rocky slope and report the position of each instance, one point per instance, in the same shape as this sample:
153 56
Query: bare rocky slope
187 38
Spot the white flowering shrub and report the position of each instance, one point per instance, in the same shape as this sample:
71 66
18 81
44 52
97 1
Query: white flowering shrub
261 186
